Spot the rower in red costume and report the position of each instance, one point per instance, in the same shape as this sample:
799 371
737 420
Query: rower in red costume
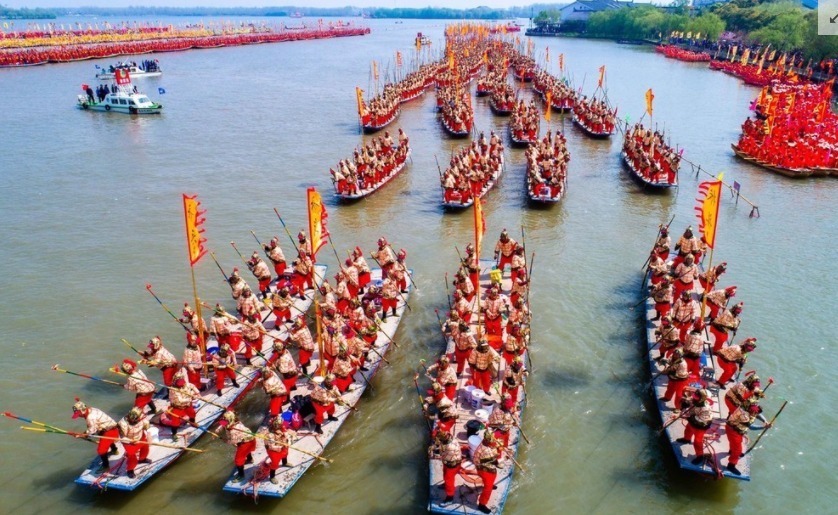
158 356
242 438
101 425
138 383
728 320
132 430
504 249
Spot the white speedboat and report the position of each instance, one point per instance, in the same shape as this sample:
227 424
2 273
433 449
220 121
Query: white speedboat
124 100
147 68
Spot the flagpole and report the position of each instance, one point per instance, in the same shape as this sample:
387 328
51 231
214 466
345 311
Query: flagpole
477 258
201 341
320 346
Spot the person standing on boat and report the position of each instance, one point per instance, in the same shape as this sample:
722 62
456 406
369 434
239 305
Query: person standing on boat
220 325
732 358
101 425
277 441
445 376
158 356
709 278
323 399
275 389
718 299
472 266
237 284
513 378
193 361
685 274
384 255
693 348
493 307
678 374
133 427
727 321
301 335
464 345
668 338
274 253
685 312
450 452
737 427
483 362
190 317
520 286
303 244
686 246
181 409
659 269
486 460
285 365
663 244
138 383
261 272
446 411
242 438
249 305
389 295
739 393
504 249
224 362
503 419
303 271
252 333
662 295
699 419
363 269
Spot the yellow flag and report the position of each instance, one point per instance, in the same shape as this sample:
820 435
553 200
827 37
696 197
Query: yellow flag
194 240
479 225
650 97
359 93
549 103
710 193
316 221
375 70
561 62
601 75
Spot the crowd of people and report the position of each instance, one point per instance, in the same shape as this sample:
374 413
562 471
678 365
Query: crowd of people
454 103
78 52
649 156
501 96
685 330
682 54
372 165
487 353
472 170
562 96
794 128
525 122
594 115
547 166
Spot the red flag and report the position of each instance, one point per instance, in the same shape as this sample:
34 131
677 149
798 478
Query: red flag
194 241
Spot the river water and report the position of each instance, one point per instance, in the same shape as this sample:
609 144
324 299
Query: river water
91 210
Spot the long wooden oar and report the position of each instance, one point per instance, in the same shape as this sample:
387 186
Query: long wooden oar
421 401
120 440
93 378
753 445
212 255
233 243
9 414
185 327
294 243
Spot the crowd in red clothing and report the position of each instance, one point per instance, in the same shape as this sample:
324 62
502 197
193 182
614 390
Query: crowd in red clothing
370 166
675 52
650 157
594 115
547 166
471 168
562 96
525 121
455 106
794 127
66 53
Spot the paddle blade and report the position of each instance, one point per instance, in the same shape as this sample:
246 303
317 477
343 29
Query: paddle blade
55 367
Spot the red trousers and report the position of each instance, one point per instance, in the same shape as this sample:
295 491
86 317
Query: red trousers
175 418
449 474
509 356
305 357
691 432
656 279
504 260
734 439
679 286
483 379
235 341
111 435
451 390
221 374
282 315
276 457
475 280
279 268
714 310
388 304
720 336
513 392
683 328
135 452
168 374
275 404
320 410
694 365
663 308
488 483
142 399
194 377
462 358
264 284
343 383
729 369
242 450
493 326
250 345
364 279
446 424
675 387
289 382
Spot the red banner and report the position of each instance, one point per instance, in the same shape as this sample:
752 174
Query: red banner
121 76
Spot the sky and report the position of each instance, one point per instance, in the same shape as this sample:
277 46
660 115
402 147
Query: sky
454 4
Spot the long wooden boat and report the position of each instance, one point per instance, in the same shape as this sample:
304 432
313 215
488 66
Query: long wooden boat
454 204
794 173
590 131
468 484
521 142
499 110
375 187
714 439
206 414
635 173
372 126
462 132
256 481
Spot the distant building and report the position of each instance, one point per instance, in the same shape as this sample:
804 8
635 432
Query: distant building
581 10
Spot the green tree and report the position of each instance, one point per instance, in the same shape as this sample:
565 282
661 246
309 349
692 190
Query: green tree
548 17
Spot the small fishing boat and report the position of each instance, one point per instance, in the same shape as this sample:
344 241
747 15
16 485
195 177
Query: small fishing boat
208 409
308 444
